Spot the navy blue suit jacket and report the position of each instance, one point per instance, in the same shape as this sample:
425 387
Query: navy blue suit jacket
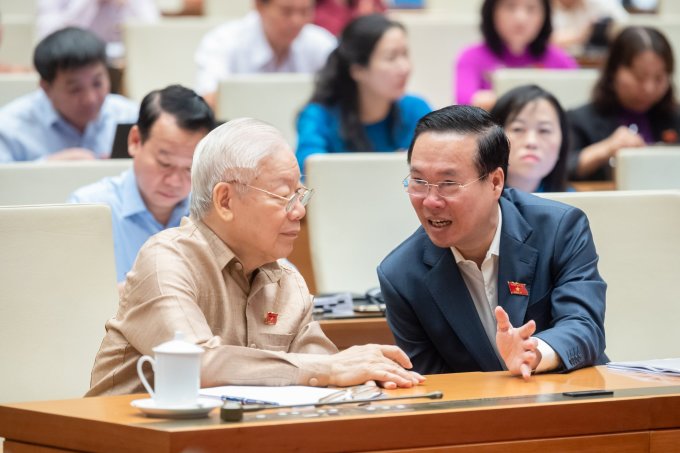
544 244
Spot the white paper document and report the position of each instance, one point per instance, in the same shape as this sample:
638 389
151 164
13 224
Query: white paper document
283 396
669 367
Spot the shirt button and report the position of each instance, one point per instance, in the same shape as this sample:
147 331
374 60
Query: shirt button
313 382
253 345
238 266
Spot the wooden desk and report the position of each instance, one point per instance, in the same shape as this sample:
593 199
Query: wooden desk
644 423
346 333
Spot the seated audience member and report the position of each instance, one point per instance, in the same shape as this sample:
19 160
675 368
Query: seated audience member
154 194
495 278
277 37
358 102
104 18
537 128
72 115
632 104
581 23
216 278
516 35
334 15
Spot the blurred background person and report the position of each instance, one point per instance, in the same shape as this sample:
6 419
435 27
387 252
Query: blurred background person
334 15
72 115
537 128
516 35
582 26
633 104
277 37
154 194
358 102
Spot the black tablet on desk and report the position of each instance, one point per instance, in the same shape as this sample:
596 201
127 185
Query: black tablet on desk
119 149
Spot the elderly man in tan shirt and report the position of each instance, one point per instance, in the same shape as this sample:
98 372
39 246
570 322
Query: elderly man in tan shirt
217 279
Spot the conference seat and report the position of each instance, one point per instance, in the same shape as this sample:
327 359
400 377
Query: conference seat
58 282
276 98
52 181
435 39
359 213
655 167
162 53
231 9
17 84
18 38
571 87
636 235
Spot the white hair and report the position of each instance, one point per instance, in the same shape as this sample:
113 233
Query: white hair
230 152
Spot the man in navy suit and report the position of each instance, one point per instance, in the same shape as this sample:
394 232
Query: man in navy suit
495 278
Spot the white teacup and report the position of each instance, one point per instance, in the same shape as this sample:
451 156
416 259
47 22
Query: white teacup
177 372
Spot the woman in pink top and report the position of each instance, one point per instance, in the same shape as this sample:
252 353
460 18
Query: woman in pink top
516 35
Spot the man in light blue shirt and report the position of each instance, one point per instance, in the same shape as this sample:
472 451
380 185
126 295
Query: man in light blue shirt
154 194
72 115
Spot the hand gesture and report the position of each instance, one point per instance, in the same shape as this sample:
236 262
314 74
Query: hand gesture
515 345
385 365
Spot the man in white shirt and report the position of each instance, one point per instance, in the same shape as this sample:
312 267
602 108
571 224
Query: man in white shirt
277 37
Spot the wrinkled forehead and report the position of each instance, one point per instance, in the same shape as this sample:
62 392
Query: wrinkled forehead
280 165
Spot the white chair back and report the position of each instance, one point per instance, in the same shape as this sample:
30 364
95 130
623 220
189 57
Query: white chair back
572 88
435 40
52 182
16 84
648 168
457 7
230 9
162 53
24 7
18 39
276 98
58 282
359 214
636 235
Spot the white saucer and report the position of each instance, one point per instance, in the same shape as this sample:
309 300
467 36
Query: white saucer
197 410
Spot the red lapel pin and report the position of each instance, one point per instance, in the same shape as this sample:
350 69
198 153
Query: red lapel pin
271 318
518 289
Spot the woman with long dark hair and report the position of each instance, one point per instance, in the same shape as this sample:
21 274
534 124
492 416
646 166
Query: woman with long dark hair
358 102
537 128
632 104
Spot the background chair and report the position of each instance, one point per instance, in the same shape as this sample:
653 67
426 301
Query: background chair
276 98
648 168
435 40
52 182
572 87
58 282
636 235
14 85
229 9
162 53
18 37
358 215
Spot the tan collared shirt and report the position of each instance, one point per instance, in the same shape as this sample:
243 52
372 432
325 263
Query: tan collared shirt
187 279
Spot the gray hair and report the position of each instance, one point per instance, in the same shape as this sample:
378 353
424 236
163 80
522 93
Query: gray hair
231 152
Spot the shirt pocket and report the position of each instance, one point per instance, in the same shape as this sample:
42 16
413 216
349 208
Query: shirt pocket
275 341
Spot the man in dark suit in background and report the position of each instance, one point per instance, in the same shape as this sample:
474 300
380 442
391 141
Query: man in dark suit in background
495 278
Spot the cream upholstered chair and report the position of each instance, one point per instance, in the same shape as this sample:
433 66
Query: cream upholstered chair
227 9
162 53
58 282
636 236
52 181
571 87
18 38
359 213
435 40
276 98
648 168
25 7
16 84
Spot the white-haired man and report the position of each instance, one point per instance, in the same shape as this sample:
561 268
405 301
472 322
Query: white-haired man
217 279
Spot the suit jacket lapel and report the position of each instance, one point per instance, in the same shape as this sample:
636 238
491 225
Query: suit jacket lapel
517 263
448 289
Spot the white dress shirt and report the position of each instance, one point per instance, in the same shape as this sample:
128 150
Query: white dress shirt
483 287
241 47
